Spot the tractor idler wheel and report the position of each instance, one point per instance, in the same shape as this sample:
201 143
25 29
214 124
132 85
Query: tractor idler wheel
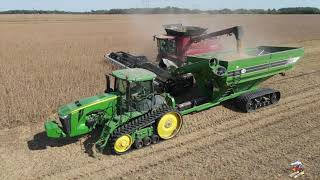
146 141
122 144
138 144
155 139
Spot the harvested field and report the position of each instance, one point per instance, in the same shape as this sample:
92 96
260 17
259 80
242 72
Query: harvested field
49 60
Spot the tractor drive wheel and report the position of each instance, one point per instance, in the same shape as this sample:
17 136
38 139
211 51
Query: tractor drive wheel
169 125
123 144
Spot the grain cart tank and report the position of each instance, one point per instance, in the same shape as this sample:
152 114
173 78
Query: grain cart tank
226 75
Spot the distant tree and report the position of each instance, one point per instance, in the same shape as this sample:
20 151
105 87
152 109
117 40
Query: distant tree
299 10
225 11
175 10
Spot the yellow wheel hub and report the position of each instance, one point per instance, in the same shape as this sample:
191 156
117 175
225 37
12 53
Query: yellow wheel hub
123 143
169 125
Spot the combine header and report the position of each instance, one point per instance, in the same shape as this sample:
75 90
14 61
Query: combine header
145 103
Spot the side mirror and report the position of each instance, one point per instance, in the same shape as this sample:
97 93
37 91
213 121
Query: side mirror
108 85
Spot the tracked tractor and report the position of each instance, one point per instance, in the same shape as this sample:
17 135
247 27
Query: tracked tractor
139 108
131 113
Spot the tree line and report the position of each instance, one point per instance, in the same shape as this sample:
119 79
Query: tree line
175 10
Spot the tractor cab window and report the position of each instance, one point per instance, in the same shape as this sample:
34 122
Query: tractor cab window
135 96
167 46
140 90
121 87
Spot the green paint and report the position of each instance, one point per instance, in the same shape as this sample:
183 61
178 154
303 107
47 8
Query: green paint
53 130
84 103
77 115
134 74
252 71
142 133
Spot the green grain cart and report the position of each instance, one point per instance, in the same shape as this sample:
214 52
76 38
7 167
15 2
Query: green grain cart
138 110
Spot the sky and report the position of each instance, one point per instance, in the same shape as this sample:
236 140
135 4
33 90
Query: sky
87 5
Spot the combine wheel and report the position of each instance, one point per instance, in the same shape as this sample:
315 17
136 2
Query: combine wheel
169 125
146 141
122 144
155 139
138 144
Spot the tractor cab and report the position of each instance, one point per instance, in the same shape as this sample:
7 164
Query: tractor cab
135 88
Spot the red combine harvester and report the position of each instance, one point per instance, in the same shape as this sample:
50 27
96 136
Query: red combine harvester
173 47
178 42
181 41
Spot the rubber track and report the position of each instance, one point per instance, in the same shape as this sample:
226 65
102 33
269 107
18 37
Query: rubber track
143 121
242 100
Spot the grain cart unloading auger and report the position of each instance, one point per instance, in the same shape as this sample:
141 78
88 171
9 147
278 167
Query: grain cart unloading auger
135 112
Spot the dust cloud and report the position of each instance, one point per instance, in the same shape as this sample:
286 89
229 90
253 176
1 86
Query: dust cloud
144 27
258 30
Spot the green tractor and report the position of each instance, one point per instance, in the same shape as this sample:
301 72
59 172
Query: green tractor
131 113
